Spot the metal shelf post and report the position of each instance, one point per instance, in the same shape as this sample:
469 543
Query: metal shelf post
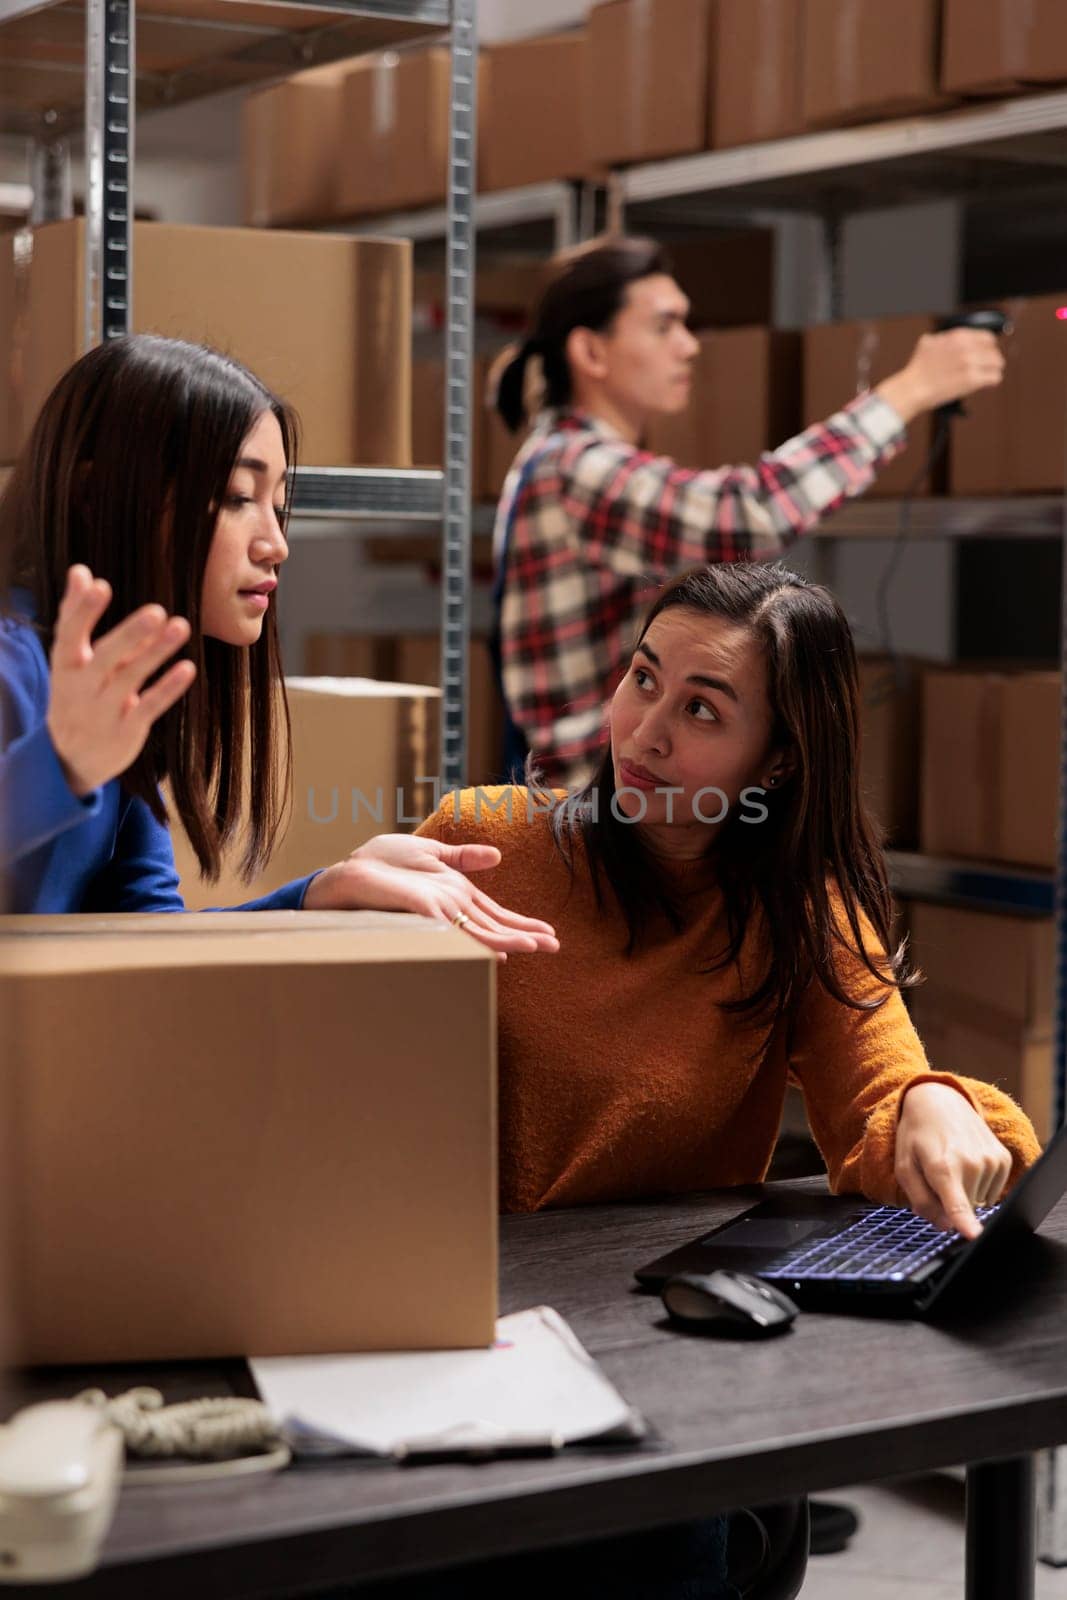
459 286
109 121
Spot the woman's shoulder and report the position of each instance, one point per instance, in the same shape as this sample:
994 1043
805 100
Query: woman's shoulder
504 815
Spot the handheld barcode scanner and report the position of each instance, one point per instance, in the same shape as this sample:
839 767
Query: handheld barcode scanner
988 321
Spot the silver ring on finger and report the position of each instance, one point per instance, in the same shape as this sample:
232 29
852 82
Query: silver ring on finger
460 920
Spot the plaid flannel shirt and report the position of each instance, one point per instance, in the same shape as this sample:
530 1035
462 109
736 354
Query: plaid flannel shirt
589 527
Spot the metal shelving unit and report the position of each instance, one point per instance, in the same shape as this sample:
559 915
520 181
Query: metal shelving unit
55 56
510 214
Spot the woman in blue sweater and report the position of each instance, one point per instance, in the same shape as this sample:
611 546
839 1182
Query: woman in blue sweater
141 537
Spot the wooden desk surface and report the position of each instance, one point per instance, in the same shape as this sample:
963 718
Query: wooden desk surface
837 1400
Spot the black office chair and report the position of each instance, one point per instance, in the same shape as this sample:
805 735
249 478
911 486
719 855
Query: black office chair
767 1550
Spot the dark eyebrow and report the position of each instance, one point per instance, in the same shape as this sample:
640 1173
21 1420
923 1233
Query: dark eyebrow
695 677
253 464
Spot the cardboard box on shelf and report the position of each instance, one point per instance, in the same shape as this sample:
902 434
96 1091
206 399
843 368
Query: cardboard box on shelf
745 400
290 134
755 82
534 113
341 355
843 359
416 659
506 291
646 79
986 1008
992 47
990 765
428 419
727 276
1012 439
364 758
258 1134
889 757
864 60
394 114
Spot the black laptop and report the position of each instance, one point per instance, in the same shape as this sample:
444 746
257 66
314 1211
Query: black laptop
839 1252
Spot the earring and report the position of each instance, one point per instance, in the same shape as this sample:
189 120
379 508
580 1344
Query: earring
771 781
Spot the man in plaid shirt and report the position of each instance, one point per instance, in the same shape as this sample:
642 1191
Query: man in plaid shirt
590 524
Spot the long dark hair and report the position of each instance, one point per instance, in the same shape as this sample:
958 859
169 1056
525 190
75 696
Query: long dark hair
125 471
818 835
586 289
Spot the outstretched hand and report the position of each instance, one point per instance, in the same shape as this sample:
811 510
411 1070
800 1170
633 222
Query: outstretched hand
406 872
99 711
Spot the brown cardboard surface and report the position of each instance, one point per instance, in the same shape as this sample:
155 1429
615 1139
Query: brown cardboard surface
745 400
843 359
364 757
889 754
865 60
534 112
416 659
428 420
990 767
728 277
308 1165
996 46
755 72
1014 438
985 1010
289 133
646 79
394 146
340 355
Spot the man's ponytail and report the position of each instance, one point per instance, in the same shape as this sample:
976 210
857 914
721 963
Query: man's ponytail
586 289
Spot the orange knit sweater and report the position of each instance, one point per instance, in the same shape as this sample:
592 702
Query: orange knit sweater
621 1076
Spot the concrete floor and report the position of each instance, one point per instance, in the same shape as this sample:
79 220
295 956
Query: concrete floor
909 1547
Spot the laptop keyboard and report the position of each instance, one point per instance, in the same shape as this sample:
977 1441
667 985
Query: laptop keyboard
886 1245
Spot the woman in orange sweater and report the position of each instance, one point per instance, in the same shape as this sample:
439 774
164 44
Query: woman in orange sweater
720 896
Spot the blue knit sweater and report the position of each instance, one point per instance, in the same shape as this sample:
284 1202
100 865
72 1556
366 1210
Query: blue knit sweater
58 852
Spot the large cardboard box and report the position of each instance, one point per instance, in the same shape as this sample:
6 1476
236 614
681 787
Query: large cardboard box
365 755
249 1135
865 60
889 752
996 46
291 134
728 277
646 79
1014 438
393 153
990 765
340 353
492 446
986 1008
844 359
534 111
755 84
416 659
745 400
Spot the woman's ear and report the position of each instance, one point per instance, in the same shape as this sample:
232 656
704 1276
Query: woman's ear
781 765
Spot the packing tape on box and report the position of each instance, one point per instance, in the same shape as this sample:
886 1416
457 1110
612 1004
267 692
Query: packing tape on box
771 64
20 244
384 94
635 121
1016 25
867 347
846 59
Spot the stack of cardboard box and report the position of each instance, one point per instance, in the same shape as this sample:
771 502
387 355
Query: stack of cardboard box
341 355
